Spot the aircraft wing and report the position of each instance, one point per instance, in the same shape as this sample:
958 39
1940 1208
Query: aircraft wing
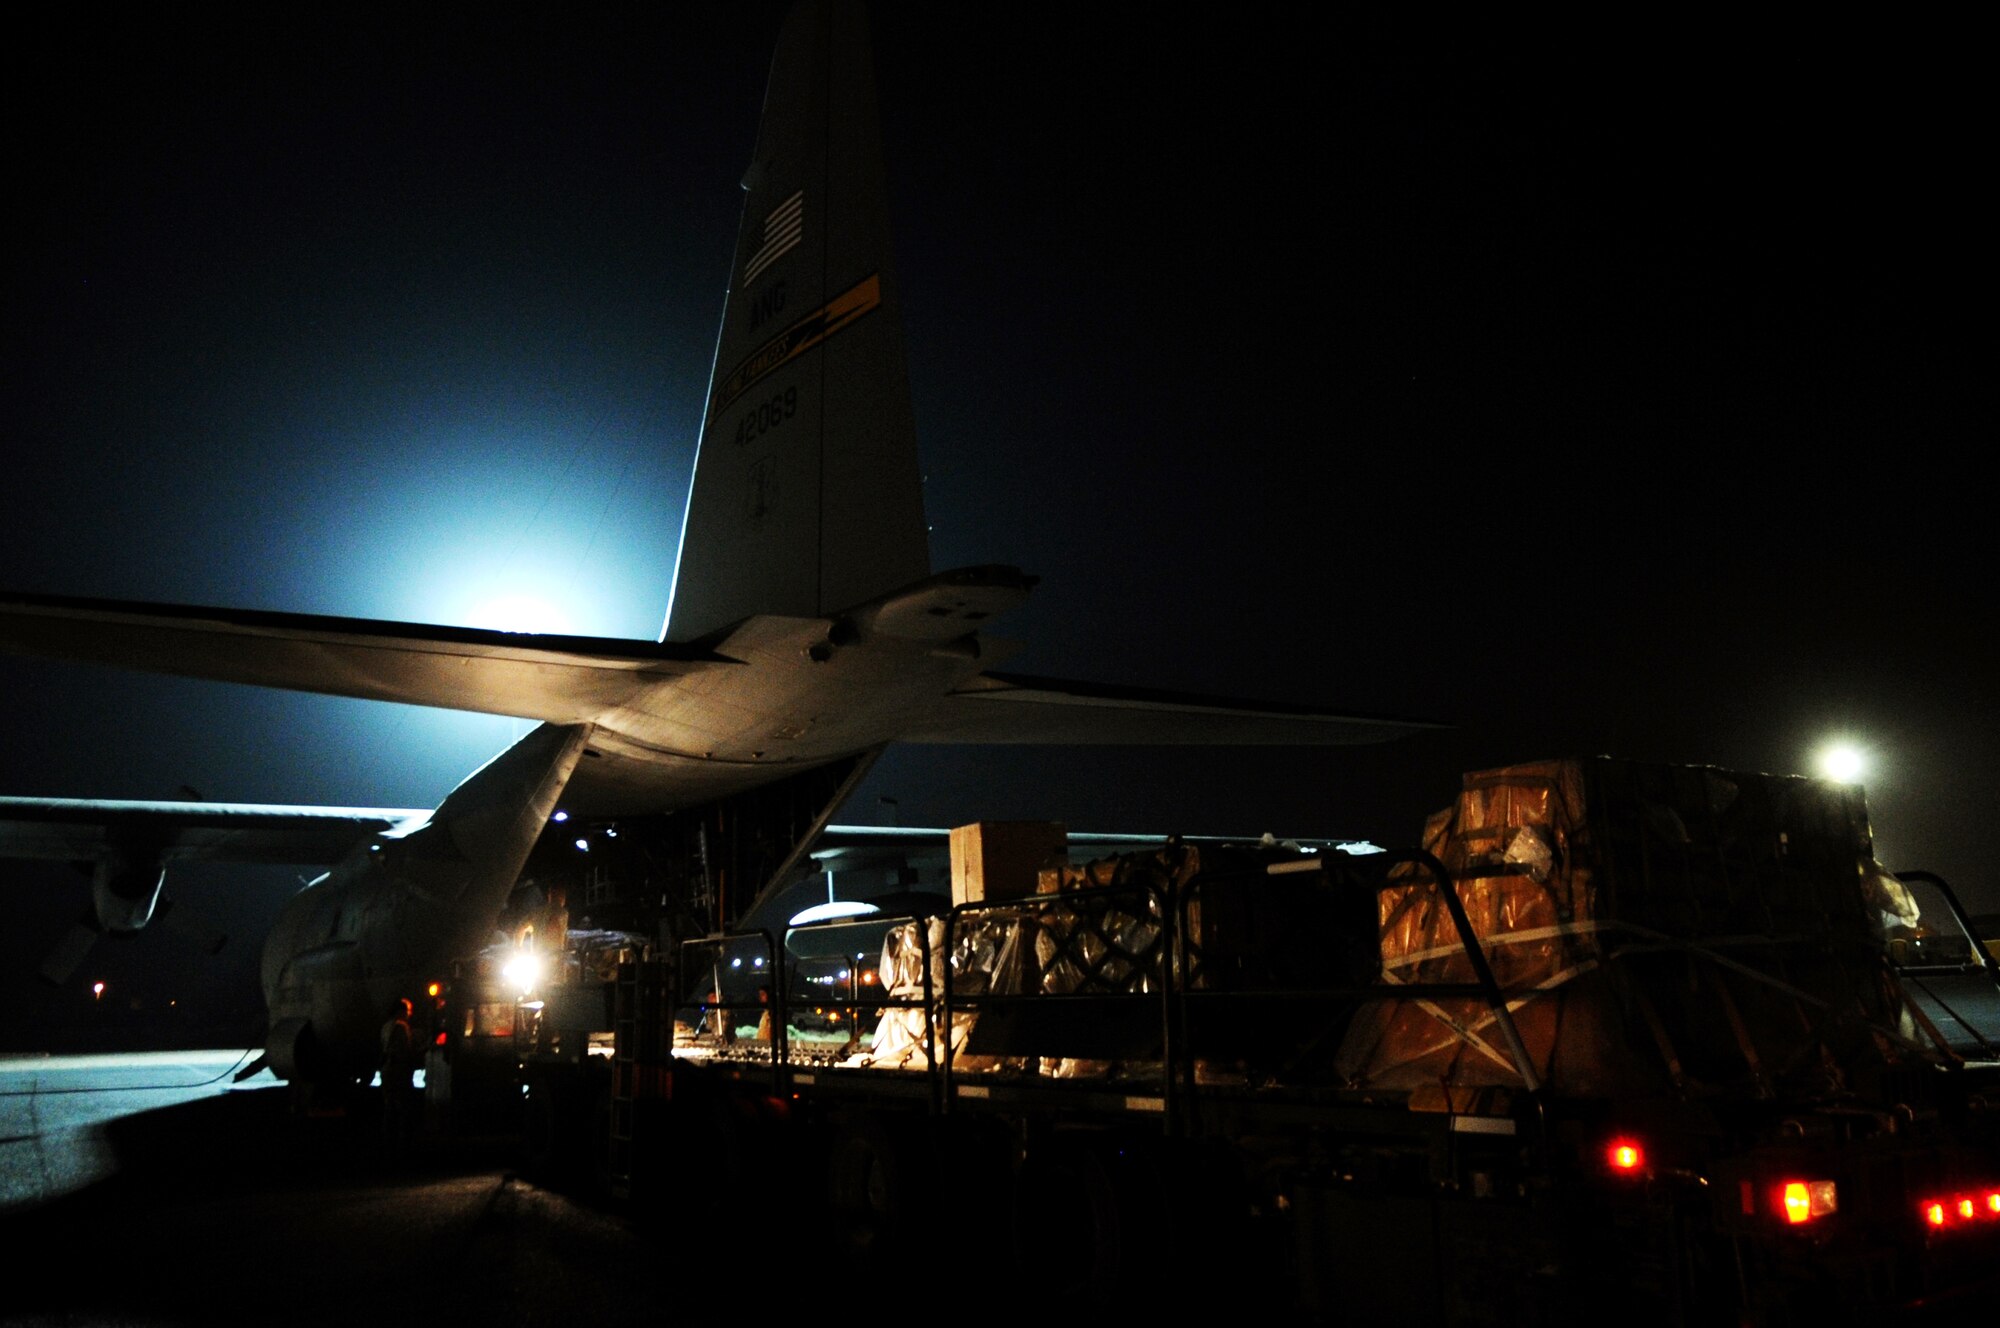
1010 708
560 679
83 829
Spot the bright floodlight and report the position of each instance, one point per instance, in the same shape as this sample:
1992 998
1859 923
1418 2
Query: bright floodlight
523 969
1842 762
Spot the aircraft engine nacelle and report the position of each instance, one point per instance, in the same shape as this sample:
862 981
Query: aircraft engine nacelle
125 890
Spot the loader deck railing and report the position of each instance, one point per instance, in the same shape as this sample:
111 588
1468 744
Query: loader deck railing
1162 987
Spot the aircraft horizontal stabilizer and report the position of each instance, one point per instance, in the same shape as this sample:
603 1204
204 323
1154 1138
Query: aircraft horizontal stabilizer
84 829
560 679
1014 708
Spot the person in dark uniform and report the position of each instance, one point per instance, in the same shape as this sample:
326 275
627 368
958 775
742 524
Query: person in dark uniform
399 1065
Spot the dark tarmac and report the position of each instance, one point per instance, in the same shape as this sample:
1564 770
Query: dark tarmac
233 1208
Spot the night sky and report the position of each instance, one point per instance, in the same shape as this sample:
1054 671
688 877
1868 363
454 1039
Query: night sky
1608 395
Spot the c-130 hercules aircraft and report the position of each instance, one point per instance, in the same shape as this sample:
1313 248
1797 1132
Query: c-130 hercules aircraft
805 628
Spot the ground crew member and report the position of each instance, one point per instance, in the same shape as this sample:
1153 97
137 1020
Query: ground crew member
399 1065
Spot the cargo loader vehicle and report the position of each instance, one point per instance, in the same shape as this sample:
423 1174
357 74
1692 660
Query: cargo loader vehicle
1614 1038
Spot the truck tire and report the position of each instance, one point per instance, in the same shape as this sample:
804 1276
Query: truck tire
1087 1216
874 1173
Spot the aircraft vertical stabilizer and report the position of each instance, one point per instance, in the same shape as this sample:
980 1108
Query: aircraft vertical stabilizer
806 497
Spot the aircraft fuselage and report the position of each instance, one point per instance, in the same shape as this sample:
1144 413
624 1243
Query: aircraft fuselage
382 922
396 911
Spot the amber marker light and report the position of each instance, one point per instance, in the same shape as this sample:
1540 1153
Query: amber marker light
1804 1200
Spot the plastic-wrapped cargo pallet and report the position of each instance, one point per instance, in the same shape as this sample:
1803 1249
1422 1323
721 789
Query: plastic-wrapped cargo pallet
1096 939
991 861
1658 929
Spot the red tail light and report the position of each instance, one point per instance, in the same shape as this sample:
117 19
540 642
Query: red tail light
1624 1156
1960 1209
1804 1200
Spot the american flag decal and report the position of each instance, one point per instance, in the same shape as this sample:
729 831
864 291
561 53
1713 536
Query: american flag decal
782 232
